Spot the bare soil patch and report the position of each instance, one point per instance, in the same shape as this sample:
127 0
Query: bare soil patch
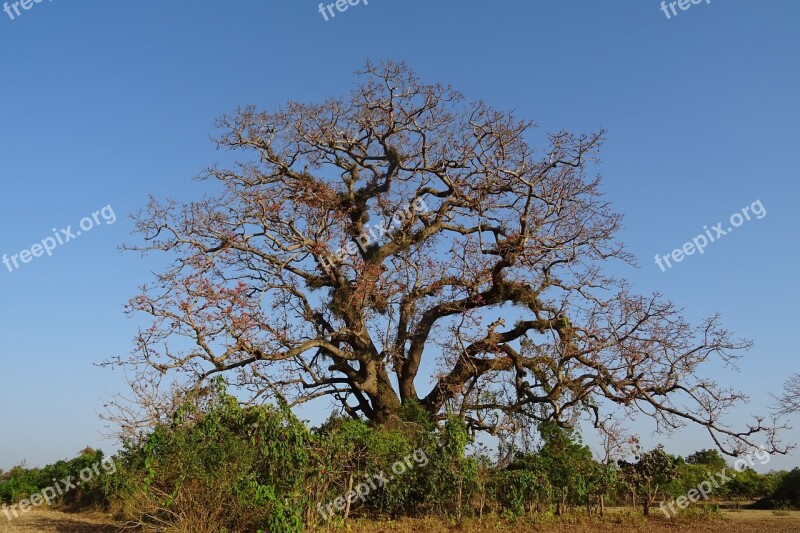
51 521
731 522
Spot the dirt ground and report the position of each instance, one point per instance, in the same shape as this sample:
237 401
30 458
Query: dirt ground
731 522
50 521
738 522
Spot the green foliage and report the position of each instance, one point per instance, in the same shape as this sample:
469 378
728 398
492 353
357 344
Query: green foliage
567 463
562 473
90 468
652 475
749 485
689 476
413 413
712 459
452 478
786 494
19 483
353 452
222 467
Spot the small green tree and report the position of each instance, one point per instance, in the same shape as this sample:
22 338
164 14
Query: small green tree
748 485
568 464
453 475
602 482
687 477
652 472
525 484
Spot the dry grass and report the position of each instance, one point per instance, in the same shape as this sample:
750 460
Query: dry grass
748 521
50 521
737 522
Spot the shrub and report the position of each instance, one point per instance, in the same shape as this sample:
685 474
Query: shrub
226 467
95 486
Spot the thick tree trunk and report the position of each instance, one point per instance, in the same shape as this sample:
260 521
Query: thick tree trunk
383 399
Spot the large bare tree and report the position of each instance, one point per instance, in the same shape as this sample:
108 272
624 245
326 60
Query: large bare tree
402 244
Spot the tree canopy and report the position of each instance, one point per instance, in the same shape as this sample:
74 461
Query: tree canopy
402 245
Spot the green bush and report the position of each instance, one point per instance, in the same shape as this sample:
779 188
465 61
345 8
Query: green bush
786 494
225 467
90 468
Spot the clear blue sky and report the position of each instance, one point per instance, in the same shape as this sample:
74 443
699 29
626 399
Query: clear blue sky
106 102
